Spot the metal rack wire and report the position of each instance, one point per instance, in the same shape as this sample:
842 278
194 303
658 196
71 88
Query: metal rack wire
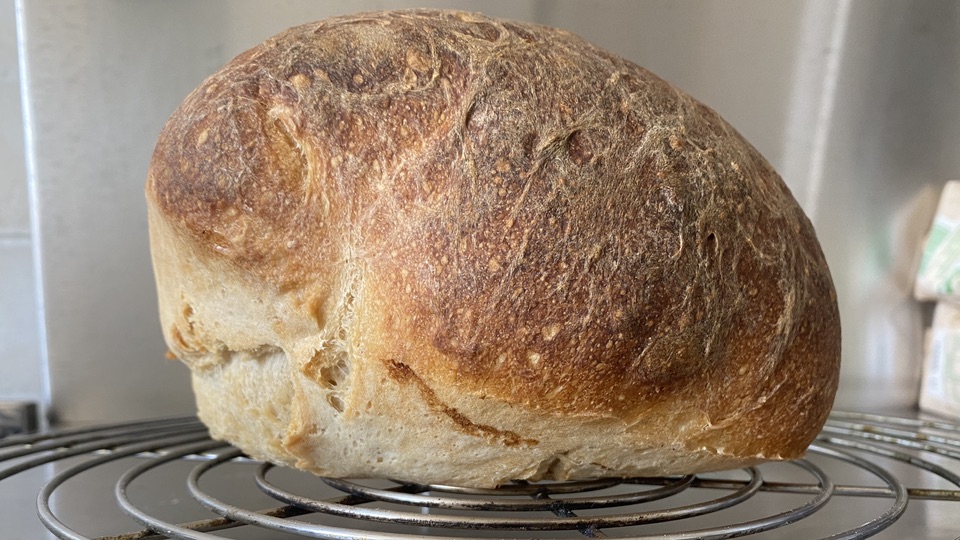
772 499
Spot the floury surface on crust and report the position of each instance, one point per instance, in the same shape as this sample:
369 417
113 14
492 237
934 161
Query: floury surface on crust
492 216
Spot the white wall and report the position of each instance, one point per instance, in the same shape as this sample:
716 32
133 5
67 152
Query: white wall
816 85
20 359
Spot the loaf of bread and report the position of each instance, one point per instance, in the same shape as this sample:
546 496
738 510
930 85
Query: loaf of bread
443 248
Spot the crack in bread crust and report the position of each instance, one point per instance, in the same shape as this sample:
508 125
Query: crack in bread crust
403 374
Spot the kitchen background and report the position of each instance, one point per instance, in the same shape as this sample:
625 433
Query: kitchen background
856 103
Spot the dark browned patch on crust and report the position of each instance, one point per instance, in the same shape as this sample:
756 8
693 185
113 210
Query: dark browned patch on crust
403 374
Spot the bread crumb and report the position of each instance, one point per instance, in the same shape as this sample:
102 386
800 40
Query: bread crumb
417 60
299 81
551 331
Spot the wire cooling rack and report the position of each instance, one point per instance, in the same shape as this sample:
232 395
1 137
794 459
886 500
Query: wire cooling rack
170 480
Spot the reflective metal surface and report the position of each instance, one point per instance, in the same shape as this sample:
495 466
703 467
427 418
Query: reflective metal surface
169 480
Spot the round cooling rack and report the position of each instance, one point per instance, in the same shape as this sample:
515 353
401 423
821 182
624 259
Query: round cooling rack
867 475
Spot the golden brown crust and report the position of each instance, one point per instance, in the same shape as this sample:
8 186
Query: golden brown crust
526 218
